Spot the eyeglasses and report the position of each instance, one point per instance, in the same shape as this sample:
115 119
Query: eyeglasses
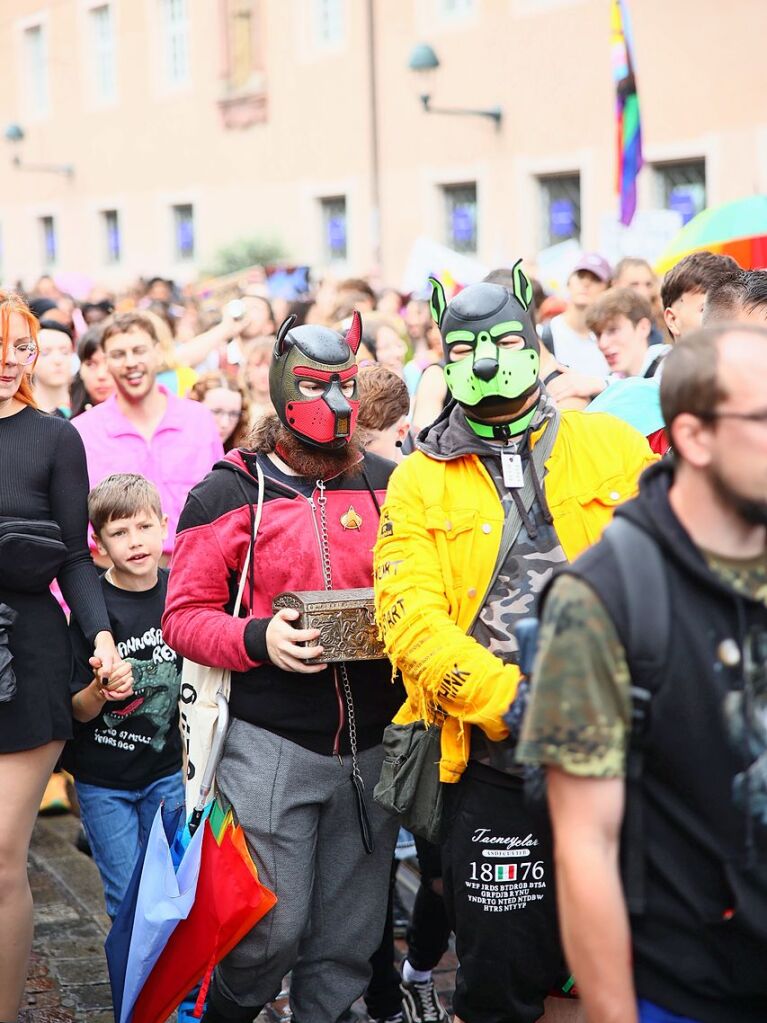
119 355
759 416
225 413
25 352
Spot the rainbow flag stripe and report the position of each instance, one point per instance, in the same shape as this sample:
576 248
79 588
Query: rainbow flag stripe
629 129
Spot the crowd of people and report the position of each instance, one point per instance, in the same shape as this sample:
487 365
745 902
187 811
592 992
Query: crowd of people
461 458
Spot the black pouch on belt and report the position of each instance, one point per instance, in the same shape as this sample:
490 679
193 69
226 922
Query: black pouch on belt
31 554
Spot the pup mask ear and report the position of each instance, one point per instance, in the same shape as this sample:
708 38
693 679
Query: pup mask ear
279 347
521 286
354 333
437 302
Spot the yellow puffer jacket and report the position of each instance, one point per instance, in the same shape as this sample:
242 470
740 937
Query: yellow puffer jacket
437 545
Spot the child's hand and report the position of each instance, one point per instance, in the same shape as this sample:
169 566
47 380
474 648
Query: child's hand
120 682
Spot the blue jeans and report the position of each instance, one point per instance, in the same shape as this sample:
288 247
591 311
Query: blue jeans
650 1013
117 823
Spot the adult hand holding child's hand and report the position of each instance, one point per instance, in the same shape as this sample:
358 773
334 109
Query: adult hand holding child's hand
114 674
120 682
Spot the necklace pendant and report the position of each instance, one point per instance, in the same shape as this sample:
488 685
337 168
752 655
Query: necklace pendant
351 520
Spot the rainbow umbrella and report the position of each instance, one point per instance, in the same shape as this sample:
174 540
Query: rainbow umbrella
737 229
229 902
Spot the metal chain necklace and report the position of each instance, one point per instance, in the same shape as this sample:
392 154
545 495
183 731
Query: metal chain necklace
327 573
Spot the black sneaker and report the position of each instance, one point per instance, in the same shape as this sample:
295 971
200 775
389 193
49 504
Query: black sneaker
420 1002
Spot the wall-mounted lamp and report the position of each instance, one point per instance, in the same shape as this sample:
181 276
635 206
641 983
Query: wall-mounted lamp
424 61
14 134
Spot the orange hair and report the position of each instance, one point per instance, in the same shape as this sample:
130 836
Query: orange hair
10 303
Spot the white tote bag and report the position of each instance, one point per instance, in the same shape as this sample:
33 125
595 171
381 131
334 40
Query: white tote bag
198 709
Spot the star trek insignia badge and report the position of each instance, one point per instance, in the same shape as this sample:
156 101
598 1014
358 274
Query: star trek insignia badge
351 520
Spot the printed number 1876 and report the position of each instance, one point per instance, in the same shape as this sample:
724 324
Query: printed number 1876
486 871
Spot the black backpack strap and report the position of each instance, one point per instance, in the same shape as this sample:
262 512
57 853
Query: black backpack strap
648 631
645 588
652 369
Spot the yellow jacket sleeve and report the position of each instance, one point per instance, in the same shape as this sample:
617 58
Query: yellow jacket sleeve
443 668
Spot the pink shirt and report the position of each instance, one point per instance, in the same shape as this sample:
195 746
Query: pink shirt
182 450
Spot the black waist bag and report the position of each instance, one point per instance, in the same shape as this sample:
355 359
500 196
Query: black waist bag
31 554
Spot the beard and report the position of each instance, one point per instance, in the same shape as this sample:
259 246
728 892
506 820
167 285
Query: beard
315 463
748 509
500 410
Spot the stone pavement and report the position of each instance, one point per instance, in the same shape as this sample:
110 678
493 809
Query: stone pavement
67 980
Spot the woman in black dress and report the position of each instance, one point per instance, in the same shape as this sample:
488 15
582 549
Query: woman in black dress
43 477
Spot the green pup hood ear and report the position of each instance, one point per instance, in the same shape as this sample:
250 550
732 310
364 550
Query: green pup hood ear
522 288
437 302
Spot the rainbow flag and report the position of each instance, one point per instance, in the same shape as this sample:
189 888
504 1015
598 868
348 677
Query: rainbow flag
629 130
190 901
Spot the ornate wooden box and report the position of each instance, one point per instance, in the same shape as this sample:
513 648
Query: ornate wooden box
345 618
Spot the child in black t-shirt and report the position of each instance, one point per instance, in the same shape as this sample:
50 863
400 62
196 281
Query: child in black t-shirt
126 754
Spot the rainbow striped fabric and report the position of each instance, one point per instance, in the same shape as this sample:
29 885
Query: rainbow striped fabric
629 130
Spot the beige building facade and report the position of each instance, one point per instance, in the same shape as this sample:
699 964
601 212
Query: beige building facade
141 136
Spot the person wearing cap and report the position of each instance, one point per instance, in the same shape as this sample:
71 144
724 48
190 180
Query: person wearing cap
568 335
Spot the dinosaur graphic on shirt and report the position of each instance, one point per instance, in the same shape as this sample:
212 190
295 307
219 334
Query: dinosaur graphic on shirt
155 697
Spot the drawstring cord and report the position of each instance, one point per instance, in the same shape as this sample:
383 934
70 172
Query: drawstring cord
528 521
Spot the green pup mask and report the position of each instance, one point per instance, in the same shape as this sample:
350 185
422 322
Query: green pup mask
487 318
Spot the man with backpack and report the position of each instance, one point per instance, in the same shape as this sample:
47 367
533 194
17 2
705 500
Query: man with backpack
649 710
502 490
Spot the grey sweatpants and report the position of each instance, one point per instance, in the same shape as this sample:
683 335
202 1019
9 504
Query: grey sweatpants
299 814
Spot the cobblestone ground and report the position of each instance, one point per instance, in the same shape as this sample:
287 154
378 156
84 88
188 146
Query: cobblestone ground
68 979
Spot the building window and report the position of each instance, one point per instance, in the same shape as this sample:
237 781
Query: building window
48 232
240 31
328 22
334 228
560 208
35 57
183 232
175 36
682 187
103 52
461 216
112 243
243 100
